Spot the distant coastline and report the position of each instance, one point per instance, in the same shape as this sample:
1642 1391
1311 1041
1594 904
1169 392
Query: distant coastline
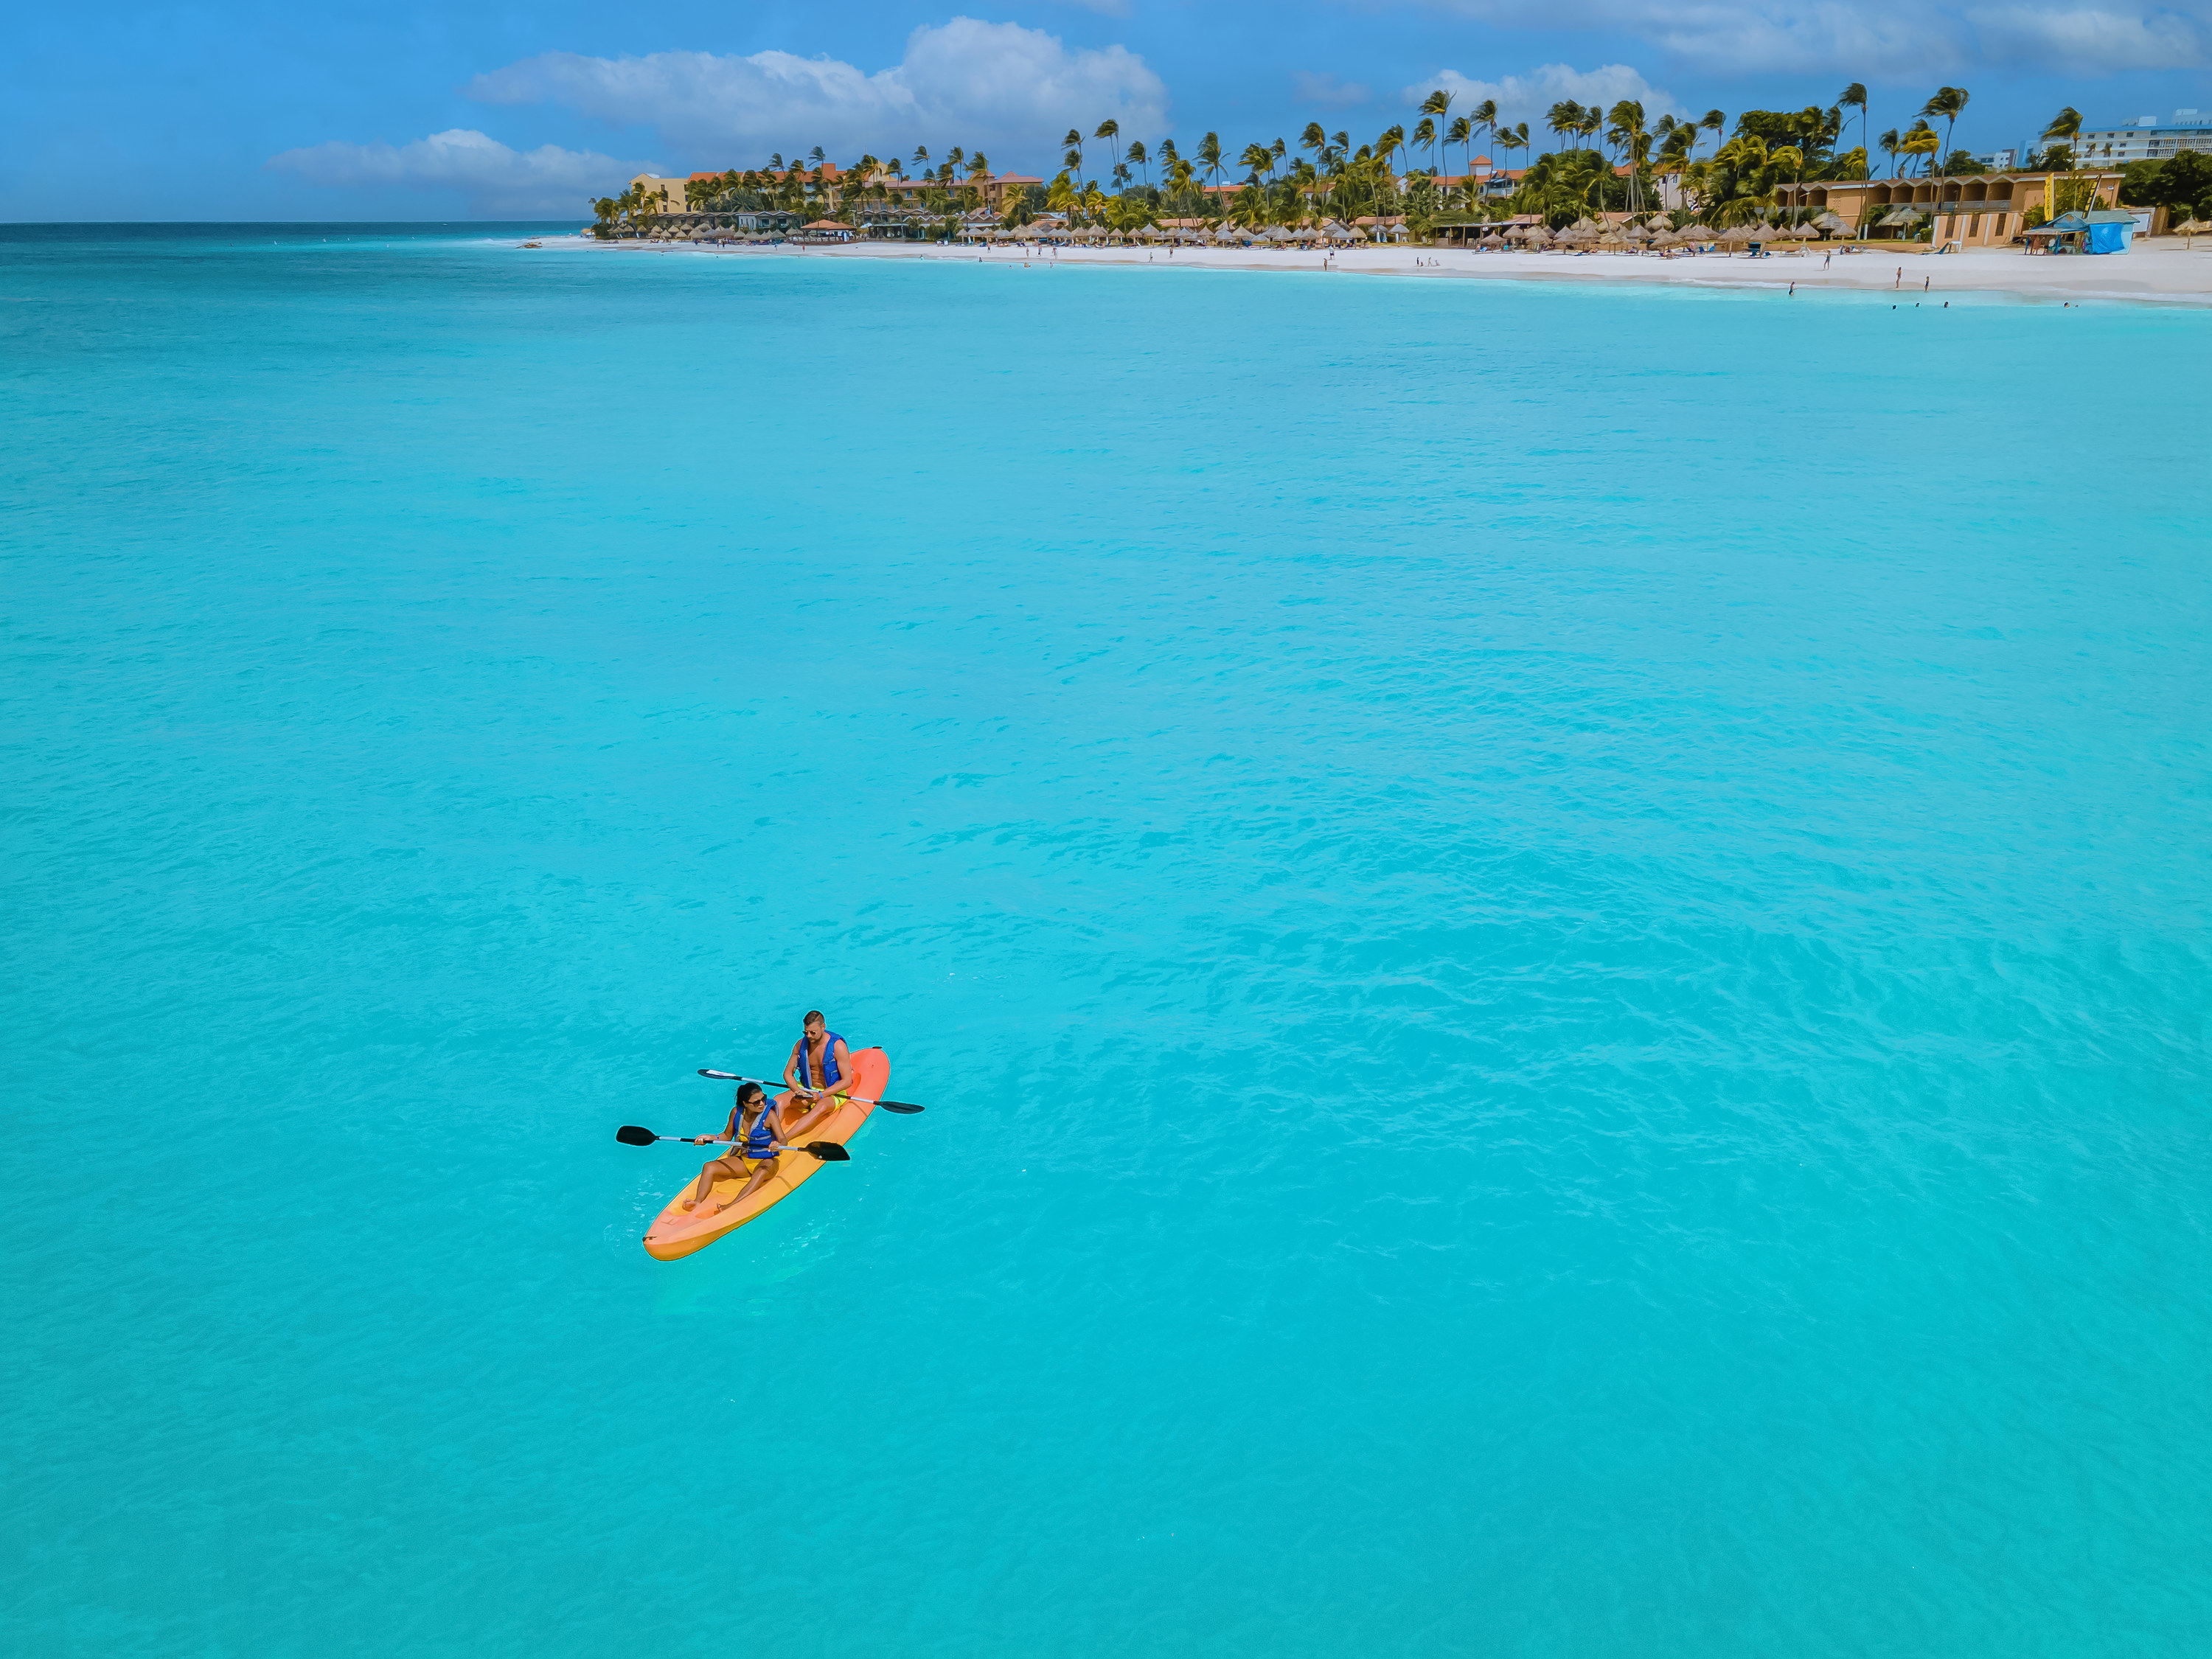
2168 270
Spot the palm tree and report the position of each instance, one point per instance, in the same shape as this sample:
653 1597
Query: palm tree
1111 132
1714 122
1254 160
1182 177
1509 138
1437 107
1565 117
1138 158
1854 96
1950 102
1072 144
1628 133
2065 127
1483 117
1922 141
1438 104
1209 153
1425 134
1462 132
1887 144
1276 151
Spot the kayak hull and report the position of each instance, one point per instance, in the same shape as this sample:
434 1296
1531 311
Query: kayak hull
676 1232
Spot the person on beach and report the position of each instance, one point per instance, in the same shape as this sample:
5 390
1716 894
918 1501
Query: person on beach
820 1068
752 1135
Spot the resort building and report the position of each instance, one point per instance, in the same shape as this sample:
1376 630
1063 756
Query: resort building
995 186
2145 139
669 192
1973 210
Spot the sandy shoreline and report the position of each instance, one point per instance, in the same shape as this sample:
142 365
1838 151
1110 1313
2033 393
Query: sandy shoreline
2161 271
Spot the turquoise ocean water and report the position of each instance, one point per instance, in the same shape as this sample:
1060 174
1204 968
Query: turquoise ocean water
1556 940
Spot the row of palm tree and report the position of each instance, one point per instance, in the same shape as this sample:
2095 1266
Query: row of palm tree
1327 173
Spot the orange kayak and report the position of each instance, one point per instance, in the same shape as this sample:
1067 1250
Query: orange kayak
677 1231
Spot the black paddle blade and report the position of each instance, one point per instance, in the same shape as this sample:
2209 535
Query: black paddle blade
726 1077
630 1135
905 1108
828 1151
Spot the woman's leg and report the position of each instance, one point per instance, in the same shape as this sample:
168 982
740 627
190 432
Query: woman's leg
722 1168
761 1171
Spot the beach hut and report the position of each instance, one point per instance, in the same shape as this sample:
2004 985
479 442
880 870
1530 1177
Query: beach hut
1493 242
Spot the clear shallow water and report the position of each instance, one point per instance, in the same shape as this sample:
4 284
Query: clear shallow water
1557 941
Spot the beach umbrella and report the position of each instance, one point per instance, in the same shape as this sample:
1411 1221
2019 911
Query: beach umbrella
1735 234
1494 241
1539 237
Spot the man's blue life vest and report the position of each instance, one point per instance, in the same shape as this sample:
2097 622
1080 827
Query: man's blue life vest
829 1041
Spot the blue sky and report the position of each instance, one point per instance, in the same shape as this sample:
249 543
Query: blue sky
242 109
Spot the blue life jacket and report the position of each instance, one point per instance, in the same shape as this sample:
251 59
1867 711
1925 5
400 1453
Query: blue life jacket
760 1139
832 1078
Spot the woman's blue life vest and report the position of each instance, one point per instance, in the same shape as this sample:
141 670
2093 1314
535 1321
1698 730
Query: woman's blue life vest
832 1076
759 1141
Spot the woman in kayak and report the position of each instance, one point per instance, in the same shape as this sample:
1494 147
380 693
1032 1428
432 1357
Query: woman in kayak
819 1068
752 1131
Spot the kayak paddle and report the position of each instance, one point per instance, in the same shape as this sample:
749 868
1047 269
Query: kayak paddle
828 1151
906 1108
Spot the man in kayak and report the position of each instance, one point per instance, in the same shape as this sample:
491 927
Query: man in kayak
820 1068
751 1135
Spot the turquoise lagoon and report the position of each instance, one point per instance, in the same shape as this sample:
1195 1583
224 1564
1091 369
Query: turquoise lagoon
1557 942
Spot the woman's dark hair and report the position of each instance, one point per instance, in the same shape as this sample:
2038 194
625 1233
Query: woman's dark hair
748 1092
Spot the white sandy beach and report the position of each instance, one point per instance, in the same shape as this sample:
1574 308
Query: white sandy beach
2161 270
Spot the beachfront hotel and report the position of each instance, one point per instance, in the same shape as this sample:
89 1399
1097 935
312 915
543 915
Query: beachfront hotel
2147 138
1976 210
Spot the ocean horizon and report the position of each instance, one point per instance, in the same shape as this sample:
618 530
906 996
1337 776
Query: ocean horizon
1555 940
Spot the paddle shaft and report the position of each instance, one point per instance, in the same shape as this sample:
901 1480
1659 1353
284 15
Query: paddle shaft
817 1150
811 1094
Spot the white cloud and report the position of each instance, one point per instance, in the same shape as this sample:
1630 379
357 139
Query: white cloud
1862 39
965 81
2091 39
495 179
1526 97
1326 89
